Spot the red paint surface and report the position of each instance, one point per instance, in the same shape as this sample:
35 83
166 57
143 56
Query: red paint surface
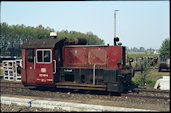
44 77
28 72
31 74
76 57
97 56
114 54
86 57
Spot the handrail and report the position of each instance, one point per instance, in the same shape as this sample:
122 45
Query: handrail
54 66
94 72
34 62
24 62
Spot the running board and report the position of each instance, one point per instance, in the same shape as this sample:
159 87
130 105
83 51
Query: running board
81 86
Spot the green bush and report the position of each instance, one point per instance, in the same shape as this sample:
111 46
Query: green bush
143 79
138 79
150 83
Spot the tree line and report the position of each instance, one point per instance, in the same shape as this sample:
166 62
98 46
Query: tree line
13 36
164 50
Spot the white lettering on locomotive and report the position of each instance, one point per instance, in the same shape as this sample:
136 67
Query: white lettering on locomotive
68 70
43 75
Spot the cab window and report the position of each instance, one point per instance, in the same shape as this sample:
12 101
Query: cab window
43 56
46 56
30 54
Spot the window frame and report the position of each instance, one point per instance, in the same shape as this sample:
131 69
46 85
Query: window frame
28 55
43 56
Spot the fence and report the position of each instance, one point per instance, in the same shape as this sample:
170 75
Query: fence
10 69
140 63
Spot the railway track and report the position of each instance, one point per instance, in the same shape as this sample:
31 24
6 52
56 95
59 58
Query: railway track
136 93
137 90
148 97
149 93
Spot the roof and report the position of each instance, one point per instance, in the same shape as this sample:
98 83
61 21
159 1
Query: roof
86 46
41 43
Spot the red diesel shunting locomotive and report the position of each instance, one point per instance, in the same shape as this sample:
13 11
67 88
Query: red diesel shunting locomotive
70 63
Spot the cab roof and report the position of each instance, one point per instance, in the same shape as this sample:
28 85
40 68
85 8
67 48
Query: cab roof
41 43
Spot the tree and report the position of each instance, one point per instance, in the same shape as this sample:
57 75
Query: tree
135 49
142 49
165 48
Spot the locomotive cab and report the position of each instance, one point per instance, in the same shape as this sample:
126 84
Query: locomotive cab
39 64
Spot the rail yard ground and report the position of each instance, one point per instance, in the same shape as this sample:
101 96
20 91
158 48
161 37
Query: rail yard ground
82 97
66 105
132 103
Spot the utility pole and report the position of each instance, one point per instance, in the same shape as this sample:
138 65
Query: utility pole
115 23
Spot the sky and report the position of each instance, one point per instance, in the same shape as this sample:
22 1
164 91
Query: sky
138 23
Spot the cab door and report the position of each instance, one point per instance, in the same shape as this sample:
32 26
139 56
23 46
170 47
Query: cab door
44 66
28 70
30 60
